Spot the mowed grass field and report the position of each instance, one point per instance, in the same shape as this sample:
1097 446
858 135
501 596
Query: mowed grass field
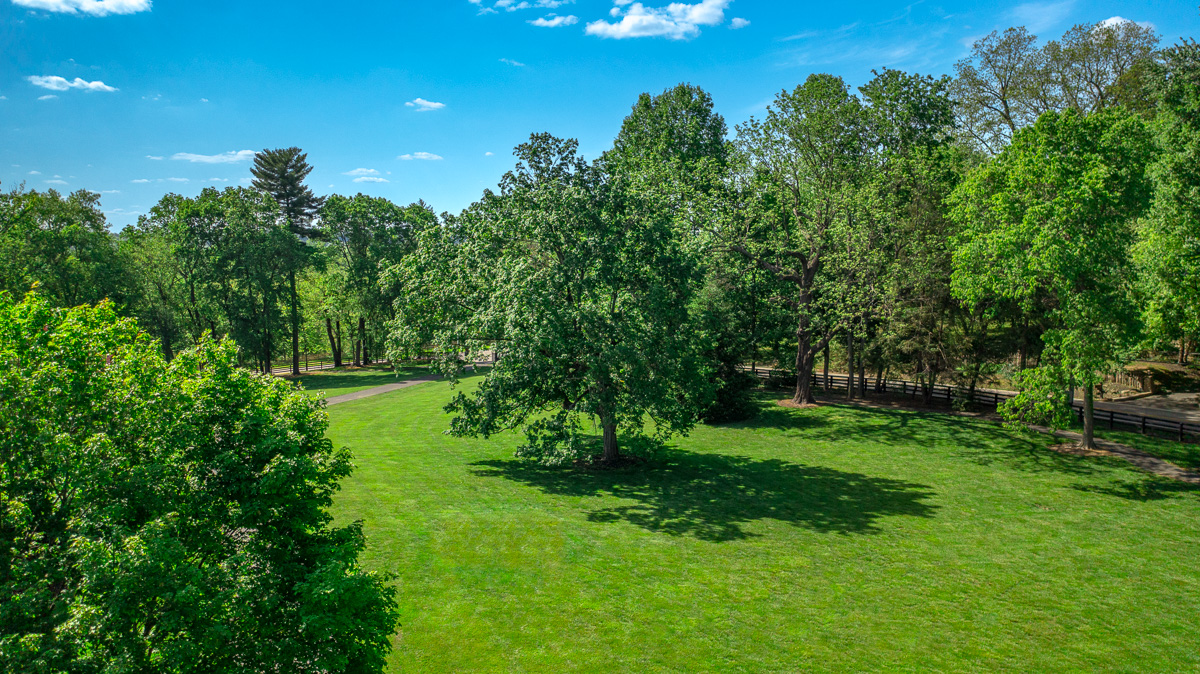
340 381
823 540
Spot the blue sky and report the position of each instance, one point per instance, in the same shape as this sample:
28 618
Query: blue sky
410 99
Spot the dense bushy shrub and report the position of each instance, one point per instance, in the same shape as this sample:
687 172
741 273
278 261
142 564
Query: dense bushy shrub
168 517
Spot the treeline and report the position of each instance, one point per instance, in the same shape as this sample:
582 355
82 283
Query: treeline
273 267
1039 207
1035 215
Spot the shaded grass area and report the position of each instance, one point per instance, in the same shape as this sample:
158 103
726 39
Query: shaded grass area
1184 455
350 379
828 539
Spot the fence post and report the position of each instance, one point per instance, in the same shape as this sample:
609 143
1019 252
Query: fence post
1181 431
1112 419
1143 425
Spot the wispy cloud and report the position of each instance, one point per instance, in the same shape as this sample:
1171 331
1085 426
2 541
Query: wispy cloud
35 173
427 156
554 21
1118 20
92 7
1039 16
361 172
56 182
230 157
150 156
56 83
47 97
511 62
423 105
676 21
141 181
738 22
370 179
487 154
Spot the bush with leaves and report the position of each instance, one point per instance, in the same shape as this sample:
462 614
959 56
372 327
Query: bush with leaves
168 517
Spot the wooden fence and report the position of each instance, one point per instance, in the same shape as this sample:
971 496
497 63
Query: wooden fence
1144 424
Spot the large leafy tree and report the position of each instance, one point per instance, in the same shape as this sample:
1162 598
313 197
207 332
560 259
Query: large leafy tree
1169 250
169 517
1008 81
581 285
61 245
366 235
803 221
281 173
1054 214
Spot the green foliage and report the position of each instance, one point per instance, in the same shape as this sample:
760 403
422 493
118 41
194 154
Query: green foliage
1008 81
581 286
62 246
1054 214
1169 249
281 173
169 517
1041 398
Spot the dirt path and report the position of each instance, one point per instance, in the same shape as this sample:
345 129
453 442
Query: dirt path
1136 457
386 388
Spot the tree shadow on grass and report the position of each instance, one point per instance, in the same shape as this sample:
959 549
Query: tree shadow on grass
1150 488
711 496
980 441
372 376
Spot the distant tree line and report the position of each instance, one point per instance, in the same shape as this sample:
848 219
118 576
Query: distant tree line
1033 215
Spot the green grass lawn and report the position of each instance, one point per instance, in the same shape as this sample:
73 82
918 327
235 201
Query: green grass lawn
336 382
831 539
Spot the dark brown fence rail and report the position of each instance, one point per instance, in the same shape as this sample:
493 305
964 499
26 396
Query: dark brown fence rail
1144 424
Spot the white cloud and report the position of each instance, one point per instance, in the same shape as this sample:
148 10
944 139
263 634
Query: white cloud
1038 16
738 22
35 173
47 97
676 21
423 105
513 63
218 180
1118 20
150 156
370 179
361 172
3 98
554 21
92 7
56 182
203 100
427 156
141 181
230 157
110 191
487 154
56 83
177 180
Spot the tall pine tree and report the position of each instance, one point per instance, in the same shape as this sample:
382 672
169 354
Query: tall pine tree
281 173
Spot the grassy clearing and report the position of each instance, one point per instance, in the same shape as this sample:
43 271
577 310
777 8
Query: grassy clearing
335 382
832 539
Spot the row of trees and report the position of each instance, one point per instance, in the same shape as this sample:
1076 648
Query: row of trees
1039 207
273 267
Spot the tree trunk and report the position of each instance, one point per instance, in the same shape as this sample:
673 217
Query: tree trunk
168 354
333 350
826 380
611 452
337 359
879 386
862 377
267 353
1089 419
804 366
849 365
295 324
362 338
1183 350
